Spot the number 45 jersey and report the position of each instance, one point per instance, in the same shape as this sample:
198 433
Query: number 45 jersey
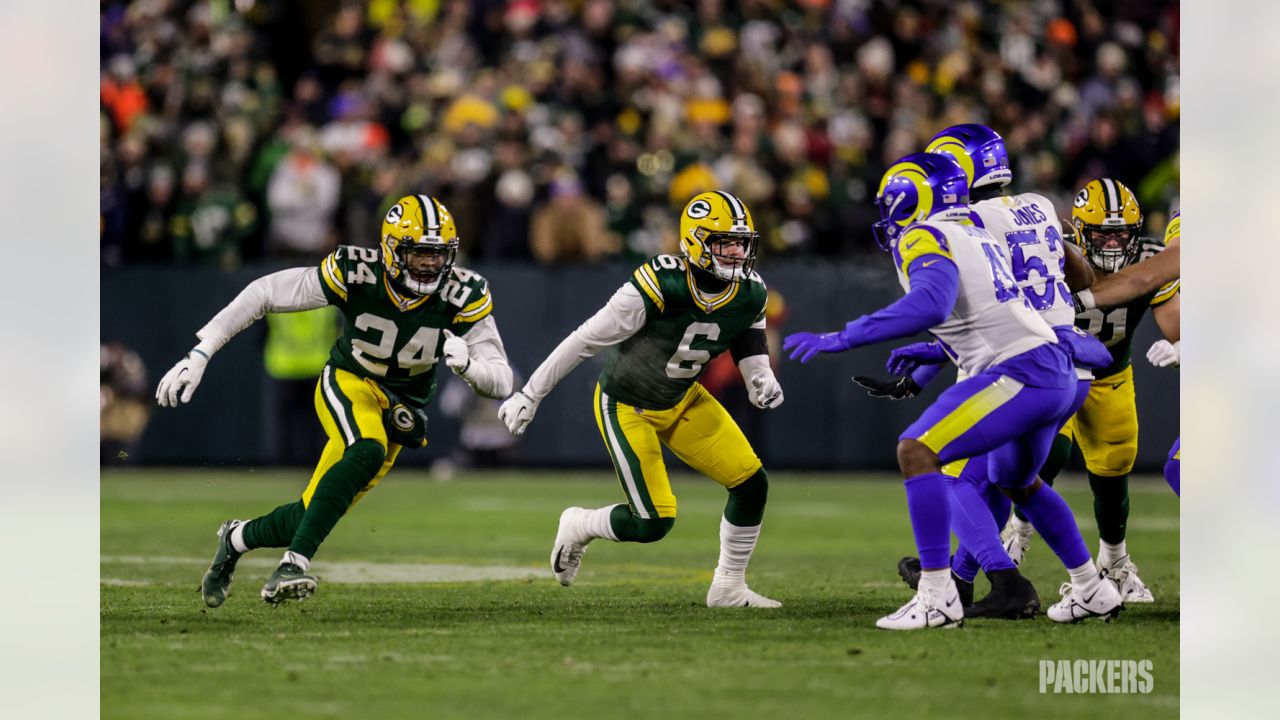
1029 226
684 329
991 321
391 337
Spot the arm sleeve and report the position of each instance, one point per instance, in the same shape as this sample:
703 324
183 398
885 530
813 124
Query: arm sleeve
489 374
925 374
291 290
935 285
619 319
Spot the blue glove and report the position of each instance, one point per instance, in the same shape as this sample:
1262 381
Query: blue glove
803 346
906 359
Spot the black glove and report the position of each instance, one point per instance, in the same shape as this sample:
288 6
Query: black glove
406 424
895 389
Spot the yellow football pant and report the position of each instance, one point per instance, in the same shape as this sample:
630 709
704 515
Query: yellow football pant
1106 426
350 409
698 430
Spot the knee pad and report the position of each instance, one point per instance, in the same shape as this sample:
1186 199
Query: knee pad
754 490
653 529
367 455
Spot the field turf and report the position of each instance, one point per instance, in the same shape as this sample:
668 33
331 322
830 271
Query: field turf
408 622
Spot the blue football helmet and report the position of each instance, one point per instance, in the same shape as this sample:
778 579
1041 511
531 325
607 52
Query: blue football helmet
979 150
918 187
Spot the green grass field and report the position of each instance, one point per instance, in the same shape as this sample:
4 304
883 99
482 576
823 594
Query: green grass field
410 622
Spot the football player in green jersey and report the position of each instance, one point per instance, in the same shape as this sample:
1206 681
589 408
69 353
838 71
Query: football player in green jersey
1107 221
405 307
665 324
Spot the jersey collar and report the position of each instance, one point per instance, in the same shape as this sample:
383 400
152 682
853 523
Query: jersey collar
403 302
710 303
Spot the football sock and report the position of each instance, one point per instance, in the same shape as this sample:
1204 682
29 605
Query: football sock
929 506
1052 518
630 527
1059 454
1109 553
745 506
736 545
237 538
334 493
598 525
975 528
1110 505
275 529
1084 577
292 557
935 581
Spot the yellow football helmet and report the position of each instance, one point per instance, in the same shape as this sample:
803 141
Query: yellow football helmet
718 235
422 226
1107 220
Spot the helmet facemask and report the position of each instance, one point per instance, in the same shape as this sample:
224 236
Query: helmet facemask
1110 247
731 255
419 267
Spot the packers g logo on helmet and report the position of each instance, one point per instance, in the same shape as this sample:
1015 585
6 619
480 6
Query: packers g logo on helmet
711 224
419 224
1107 220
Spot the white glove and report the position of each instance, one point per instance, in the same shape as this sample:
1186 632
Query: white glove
1163 353
766 392
517 412
457 355
182 378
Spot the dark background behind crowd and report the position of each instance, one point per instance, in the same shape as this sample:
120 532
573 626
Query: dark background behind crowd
562 131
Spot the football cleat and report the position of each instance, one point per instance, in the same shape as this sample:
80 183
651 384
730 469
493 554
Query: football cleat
909 571
216 584
1103 601
288 582
1125 575
734 595
1012 597
1016 536
571 543
927 610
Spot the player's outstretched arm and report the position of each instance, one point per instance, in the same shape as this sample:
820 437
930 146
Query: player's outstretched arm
289 290
935 284
1168 316
1077 271
1134 281
480 359
619 319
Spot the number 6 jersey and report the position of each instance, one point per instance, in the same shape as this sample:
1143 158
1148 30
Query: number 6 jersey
664 330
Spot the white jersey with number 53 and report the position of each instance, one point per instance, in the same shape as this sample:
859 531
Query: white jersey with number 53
1028 224
992 321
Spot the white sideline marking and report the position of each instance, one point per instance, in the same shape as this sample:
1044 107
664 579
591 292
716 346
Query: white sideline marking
345 573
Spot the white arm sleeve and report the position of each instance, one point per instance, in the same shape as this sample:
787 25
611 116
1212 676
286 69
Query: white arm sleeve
489 373
619 319
289 290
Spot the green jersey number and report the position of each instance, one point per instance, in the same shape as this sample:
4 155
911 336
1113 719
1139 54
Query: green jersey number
1109 327
417 356
687 362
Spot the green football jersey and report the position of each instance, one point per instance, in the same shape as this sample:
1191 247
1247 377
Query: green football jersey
1115 326
684 329
391 337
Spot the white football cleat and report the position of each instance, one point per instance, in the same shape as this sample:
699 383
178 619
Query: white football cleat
571 543
1125 575
736 595
927 610
1016 536
1104 601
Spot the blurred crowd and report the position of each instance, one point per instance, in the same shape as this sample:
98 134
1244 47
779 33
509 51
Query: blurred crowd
574 130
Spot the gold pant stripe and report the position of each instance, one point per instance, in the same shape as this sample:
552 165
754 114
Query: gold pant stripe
622 464
970 413
350 409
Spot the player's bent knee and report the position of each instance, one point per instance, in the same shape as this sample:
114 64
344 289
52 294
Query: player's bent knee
915 458
653 529
1020 495
366 454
